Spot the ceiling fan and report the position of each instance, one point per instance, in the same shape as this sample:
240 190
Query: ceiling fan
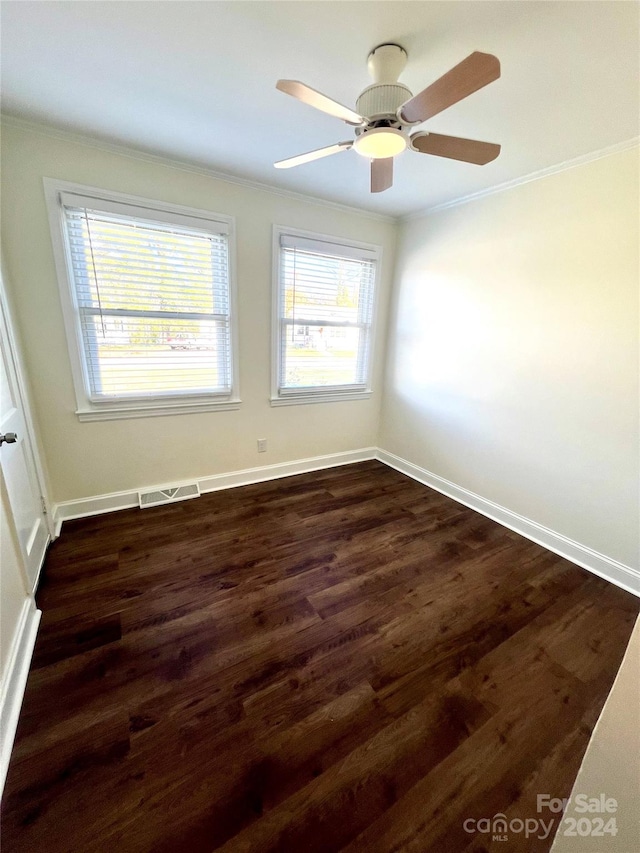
387 110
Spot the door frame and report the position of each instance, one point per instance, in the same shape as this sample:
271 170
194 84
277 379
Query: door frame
14 354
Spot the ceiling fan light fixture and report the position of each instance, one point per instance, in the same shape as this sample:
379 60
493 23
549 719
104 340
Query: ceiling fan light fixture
386 112
380 143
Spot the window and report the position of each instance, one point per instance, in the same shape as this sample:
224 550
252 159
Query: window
148 303
323 314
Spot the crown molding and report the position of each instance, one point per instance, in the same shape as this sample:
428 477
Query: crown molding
116 148
184 166
582 160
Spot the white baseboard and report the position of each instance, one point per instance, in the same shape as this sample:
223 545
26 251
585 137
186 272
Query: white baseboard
14 681
284 469
99 504
617 573
623 576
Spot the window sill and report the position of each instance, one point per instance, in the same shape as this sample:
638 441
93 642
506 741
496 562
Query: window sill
114 413
302 399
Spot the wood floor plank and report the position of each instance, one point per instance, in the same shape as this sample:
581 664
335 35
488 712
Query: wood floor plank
342 660
478 779
370 779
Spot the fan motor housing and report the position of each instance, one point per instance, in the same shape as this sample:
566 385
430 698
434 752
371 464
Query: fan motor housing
382 99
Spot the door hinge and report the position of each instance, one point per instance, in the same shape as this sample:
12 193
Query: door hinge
44 505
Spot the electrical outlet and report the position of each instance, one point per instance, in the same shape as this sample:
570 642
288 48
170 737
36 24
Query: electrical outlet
262 445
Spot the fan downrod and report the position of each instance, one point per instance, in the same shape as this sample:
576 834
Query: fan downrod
386 62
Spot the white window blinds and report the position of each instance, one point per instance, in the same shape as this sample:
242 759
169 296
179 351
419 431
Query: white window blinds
326 296
152 299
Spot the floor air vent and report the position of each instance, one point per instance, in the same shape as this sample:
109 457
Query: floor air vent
168 495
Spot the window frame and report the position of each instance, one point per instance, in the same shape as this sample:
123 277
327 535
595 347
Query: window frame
89 409
292 396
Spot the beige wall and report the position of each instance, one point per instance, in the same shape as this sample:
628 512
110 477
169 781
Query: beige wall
611 766
86 459
513 351
512 356
12 586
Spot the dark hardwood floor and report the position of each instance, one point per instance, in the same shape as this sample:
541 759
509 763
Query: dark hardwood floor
344 660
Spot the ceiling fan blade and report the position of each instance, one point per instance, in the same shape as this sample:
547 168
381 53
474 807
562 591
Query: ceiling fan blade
381 174
316 99
474 72
299 159
455 148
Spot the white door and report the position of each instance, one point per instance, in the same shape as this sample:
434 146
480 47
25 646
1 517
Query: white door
17 461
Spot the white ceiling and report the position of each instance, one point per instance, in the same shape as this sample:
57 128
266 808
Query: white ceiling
195 81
